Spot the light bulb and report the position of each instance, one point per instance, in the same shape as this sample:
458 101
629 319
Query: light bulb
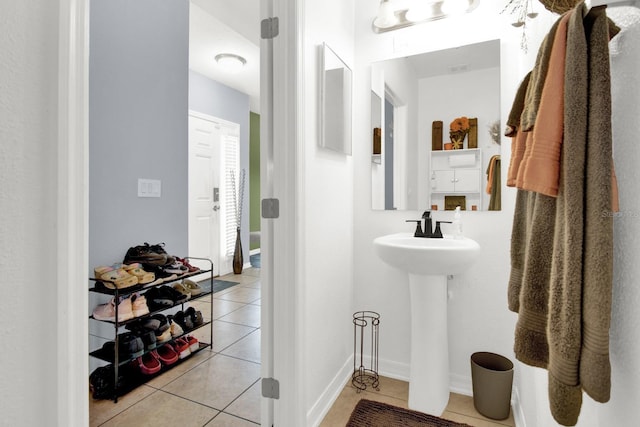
386 15
418 13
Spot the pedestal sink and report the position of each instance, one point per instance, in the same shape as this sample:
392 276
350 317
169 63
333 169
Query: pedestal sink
428 261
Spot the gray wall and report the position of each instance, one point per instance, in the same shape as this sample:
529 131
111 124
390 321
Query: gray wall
215 99
138 103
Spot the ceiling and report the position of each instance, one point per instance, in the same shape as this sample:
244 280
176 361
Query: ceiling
233 26
471 57
227 26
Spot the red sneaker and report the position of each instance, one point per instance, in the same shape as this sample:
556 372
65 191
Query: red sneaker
182 347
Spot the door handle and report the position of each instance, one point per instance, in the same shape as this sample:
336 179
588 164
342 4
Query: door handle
216 208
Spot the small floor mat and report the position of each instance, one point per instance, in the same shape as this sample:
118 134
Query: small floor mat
217 286
369 413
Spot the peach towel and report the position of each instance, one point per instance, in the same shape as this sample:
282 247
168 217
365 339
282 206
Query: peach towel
539 169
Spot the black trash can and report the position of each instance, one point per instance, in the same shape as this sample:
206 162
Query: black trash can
492 378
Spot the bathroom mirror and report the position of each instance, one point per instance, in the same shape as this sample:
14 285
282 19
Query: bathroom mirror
413 101
335 100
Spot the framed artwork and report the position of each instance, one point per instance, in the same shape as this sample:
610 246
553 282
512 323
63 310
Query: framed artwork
451 202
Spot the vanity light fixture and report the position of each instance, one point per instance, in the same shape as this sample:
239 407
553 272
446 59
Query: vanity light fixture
400 14
386 15
230 61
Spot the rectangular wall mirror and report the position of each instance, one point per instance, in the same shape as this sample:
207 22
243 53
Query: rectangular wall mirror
414 100
335 100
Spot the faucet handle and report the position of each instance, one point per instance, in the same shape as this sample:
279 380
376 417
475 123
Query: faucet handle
418 232
426 214
437 233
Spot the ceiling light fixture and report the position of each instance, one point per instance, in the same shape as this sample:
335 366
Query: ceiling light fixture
230 61
389 18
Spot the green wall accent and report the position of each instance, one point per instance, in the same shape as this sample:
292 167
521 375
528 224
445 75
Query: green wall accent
254 174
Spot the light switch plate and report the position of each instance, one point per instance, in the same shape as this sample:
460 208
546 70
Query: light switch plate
149 187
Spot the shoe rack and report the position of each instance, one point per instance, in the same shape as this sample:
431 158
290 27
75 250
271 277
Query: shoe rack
119 363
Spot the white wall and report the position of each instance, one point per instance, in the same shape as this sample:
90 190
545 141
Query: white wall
28 191
328 220
478 316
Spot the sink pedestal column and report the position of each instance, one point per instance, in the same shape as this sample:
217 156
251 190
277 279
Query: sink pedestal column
429 376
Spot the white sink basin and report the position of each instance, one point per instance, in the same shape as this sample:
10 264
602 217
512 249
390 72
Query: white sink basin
427 256
427 262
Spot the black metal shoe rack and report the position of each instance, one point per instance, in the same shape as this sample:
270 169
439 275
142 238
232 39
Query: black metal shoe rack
365 374
115 357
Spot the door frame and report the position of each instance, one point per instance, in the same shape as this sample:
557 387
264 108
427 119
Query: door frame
283 353
282 178
72 362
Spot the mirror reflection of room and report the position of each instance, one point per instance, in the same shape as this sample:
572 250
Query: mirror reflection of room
426 94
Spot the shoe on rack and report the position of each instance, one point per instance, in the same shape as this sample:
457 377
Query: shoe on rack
148 338
191 268
159 249
164 322
181 346
182 289
144 277
130 345
193 343
170 278
139 305
167 292
176 330
166 354
149 364
195 315
113 278
192 287
183 320
176 268
163 276
164 336
107 312
143 325
159 298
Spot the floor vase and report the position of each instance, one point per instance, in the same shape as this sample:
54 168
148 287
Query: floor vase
238 261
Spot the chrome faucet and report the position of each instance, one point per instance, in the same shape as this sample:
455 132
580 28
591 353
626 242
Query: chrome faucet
428 227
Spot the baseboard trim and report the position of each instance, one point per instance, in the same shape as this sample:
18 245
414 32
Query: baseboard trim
516 407
460 384
321 407
396 370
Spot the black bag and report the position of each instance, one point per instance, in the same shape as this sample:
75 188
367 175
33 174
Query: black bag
148 255
101 382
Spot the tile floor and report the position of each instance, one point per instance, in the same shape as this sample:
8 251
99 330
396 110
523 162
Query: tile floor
214 388
220 387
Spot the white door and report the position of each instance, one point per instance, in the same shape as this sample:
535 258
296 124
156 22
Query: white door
204 191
